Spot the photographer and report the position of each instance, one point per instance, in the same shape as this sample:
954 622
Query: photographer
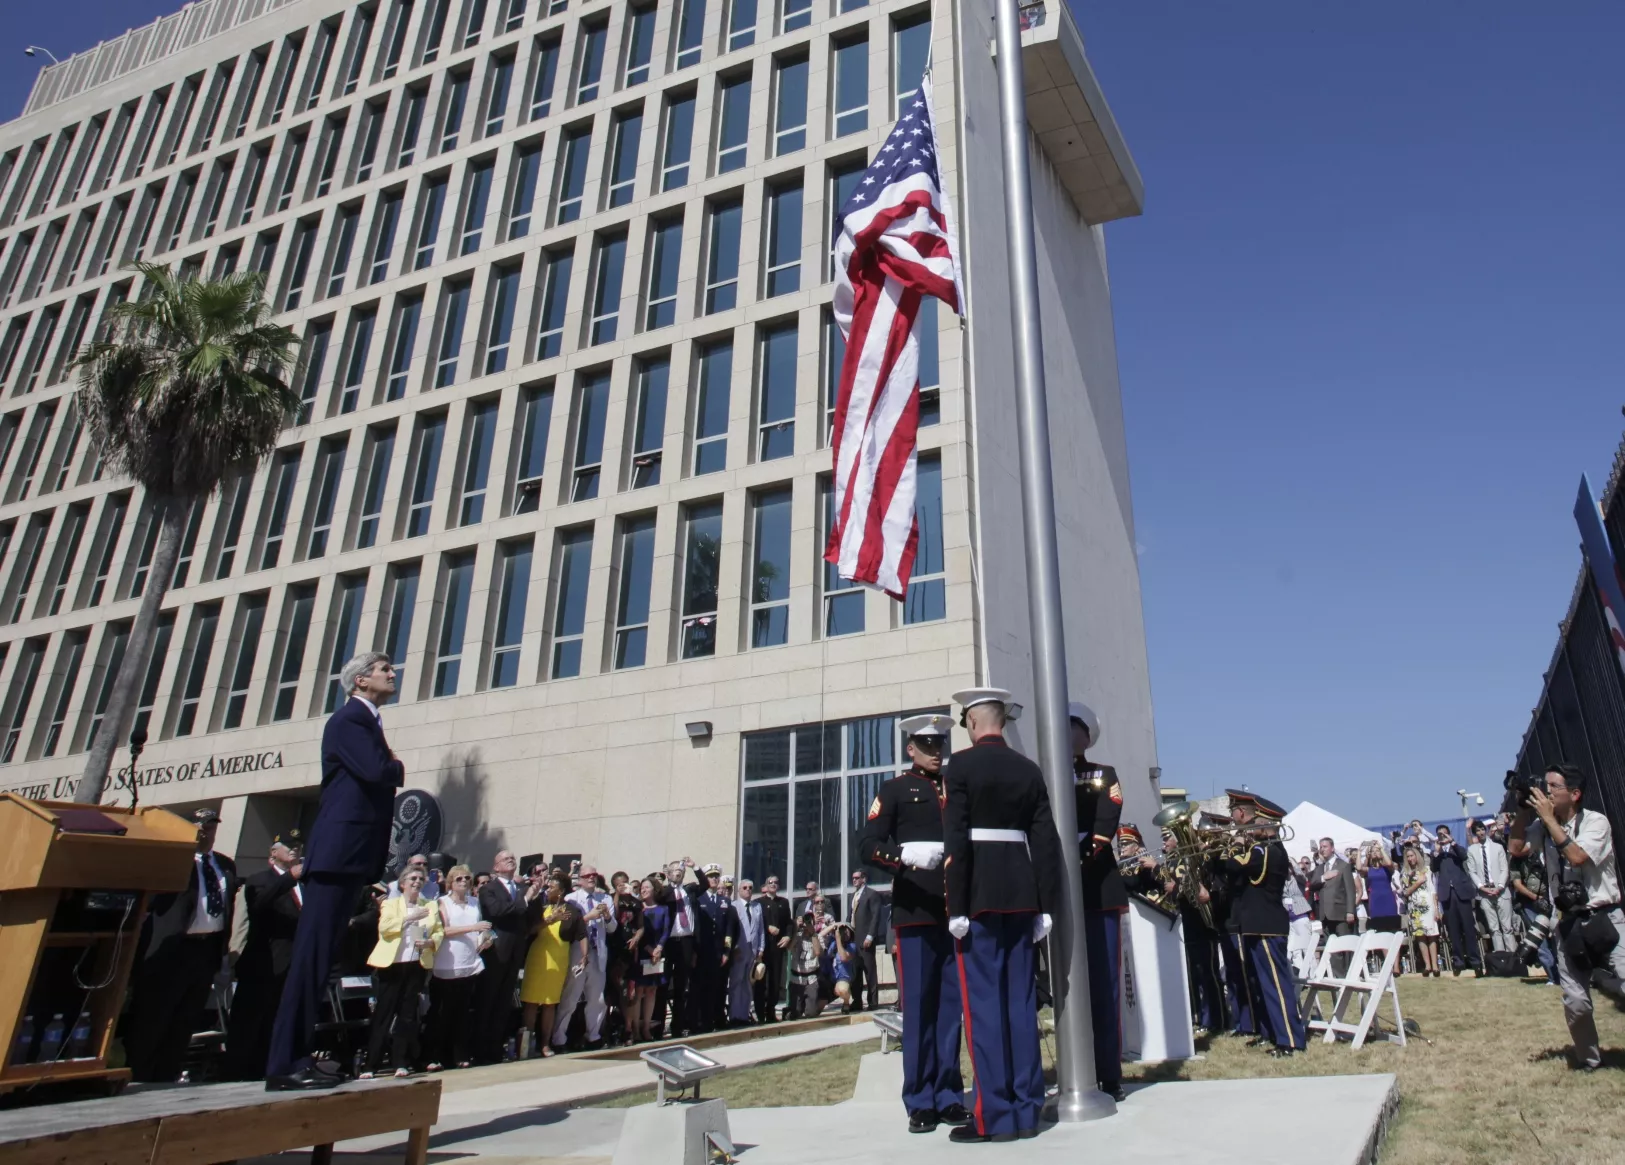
1579 854
1529 892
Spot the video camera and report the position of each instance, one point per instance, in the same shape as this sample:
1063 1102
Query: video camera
1518 787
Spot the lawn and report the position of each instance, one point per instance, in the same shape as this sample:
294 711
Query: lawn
1487 1083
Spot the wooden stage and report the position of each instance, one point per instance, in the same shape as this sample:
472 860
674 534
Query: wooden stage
209 1124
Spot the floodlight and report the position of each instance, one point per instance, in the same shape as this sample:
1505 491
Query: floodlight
698 729
890 1024
679 1066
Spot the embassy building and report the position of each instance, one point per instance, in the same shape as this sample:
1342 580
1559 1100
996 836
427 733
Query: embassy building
561 269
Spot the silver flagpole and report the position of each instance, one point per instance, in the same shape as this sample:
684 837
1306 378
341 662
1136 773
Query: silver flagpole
1079 1099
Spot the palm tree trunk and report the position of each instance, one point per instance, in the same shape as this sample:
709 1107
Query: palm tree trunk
132 672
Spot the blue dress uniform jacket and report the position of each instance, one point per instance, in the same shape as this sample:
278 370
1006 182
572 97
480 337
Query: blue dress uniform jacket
1262 923
991 786
1260 874
1100 811
359 779
907 808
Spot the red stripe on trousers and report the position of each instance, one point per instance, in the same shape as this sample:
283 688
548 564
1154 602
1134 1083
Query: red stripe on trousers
970 1047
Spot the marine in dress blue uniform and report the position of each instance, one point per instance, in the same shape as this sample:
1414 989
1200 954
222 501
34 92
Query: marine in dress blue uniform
903 834
1003 864
1262 867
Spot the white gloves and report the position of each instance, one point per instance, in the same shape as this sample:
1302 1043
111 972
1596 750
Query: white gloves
1042 925
922 855
959 926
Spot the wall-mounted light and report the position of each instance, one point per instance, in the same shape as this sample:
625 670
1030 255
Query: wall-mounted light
1012 712
698 729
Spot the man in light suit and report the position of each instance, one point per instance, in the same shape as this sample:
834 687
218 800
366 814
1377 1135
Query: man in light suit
1332 880
747 930
348 846
1487 866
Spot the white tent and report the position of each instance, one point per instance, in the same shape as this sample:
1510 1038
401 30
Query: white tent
1310 823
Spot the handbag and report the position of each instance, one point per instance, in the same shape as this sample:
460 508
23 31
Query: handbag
654 966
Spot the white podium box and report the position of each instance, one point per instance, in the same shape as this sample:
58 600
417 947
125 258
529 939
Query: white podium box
1155 987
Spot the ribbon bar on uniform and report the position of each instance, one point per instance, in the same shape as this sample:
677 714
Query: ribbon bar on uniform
1014 835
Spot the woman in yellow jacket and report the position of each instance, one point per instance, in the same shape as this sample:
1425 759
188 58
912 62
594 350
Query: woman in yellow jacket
409 931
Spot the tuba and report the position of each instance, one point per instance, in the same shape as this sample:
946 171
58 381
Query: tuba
1191 850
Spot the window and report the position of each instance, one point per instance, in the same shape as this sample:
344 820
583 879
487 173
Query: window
789 106
711 407
434 30
33 451
279 497
407 311
304 243
843 599
911 49
329 468
431 202
722 263
219 182
343 244
570 601
535 418
784 239
592 403
690 32
623 167
770 572
233 509
527 167
401 605
185 188
208 121
479 434
28 558
513 590
649 431
67 554
590 61
640 43
927 588
242 113
194 525
359 346
145 541
702 570
177 130
301 602
372 129
145 137
411 127
665 255
346 629
355 53
843 182
253 176
496 97
474 23
426 468
326 34
733 123
114 641
544 69
291 160
572 174
328 151
155 671
455 104
930 361
476 198
776 392
741 24
250 623
834 356
674 152
853 5
196 668
453 315
632 602
609 267
499 307
68 662
555 294
400 18
381 449
851 87
23 682
515 15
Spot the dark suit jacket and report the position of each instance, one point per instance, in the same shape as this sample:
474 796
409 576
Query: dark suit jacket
776 912
359 779
170 915
510 916
867 917
710 918
273 916
1452 879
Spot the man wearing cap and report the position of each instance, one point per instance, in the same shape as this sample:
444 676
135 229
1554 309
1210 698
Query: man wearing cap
708 983
1239 988
348 845
1003 875
1262 868
270 905
185 940
903 834
1202 941
1099 798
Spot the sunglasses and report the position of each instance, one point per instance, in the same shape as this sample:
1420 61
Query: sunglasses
462 878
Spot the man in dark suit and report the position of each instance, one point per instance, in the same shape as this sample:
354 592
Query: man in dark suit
511 907
778 924
1456 897
271 902
185 935
349 843
866 928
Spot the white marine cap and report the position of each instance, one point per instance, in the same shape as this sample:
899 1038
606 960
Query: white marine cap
1085 715
711 868
927 725
971 697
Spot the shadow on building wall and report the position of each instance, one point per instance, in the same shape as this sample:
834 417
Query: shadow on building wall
466 831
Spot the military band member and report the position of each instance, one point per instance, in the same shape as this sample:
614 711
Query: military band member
904 835
1144 878
1099 798
1225 887
1262 867
1202 943
1004 874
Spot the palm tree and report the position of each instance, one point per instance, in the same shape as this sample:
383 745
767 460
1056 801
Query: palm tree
189 386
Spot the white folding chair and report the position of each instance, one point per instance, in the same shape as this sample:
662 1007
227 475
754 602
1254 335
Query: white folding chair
1324 979
1366 987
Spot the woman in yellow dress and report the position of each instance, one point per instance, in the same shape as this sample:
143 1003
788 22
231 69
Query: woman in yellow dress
548 961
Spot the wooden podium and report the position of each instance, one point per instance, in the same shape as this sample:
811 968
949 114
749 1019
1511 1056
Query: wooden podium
74 883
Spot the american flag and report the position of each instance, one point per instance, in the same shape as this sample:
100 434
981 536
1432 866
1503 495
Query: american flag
894 244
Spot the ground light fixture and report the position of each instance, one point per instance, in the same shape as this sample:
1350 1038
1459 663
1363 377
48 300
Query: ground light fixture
890 1024
681 1067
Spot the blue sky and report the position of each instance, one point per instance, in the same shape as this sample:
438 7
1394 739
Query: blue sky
1370 334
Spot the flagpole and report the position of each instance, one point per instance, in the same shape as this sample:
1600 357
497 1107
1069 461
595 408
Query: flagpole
1079 1098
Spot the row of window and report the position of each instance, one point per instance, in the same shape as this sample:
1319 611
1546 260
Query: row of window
458 657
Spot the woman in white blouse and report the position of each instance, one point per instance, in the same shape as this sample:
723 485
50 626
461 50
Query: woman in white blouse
456 963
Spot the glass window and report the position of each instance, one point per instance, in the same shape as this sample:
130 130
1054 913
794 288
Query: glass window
377 478
592 403
733 123
388 218
623 171
741 24
355 367
930 361
284 473
296 635
343 244
456 103
372 131
479 435
399 18
23 681
426 468
535 417
544 69
316 341
776 392
69 661
356 50
590 61
784 239
640 43
329 468
346 624
632 602
911 49
770 573
722 262
572 174
843 181
853 5
67 552
570 601
459 583
818 834
690 32
711 409
496 102
476 198
513 590
155 671
473 23
843 599
304 243
927 588
515 15
765 832
789 106
499 308
555 295
453 315
431 204
114 641
233 508
402 605
649 432
851 71
411 127
606 299
675 151
250 622
526 169
407 311
665 256
702 570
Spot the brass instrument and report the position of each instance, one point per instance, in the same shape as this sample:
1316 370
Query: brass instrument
1195 845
